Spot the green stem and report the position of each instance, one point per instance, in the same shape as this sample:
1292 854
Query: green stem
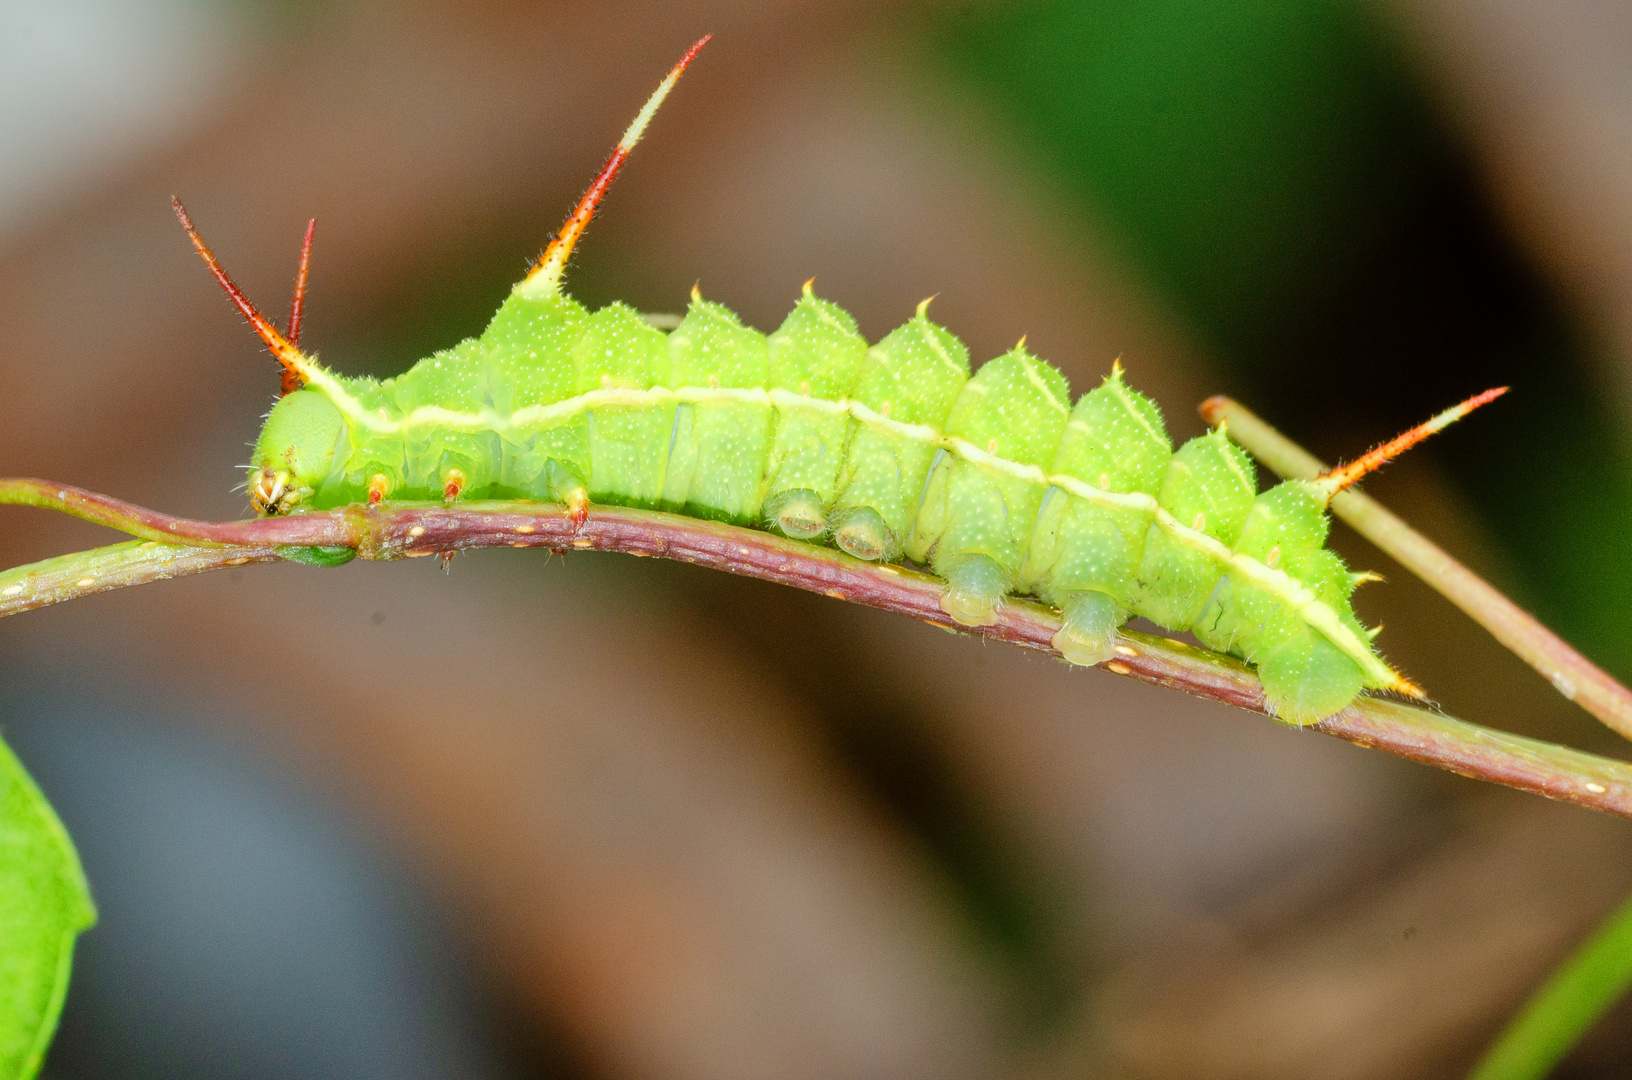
409 531
1569 1003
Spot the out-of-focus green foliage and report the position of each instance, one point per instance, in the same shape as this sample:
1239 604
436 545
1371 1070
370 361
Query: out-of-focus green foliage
1245 153
1271 167
44 904
1566 1006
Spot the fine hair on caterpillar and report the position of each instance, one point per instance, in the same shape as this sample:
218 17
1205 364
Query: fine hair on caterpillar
991 477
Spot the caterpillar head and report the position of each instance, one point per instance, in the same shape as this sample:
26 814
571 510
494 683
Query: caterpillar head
294 452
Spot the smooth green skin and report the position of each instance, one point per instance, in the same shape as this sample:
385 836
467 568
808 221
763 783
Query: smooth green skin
1580 991
44 905
782 459
628 448
317 556
302 434
912 376
817 352
974 525
1084 557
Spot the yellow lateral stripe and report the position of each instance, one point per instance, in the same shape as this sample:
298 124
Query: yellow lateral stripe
1291 593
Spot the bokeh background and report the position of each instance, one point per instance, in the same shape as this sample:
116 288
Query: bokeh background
601 817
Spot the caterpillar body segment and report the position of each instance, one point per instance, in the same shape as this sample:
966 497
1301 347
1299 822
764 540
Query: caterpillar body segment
628 445
975 520
907 386
722 424
994 480
816 355
1084 557
990 477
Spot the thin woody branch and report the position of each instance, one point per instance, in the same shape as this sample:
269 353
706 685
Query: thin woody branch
1571 674
170 547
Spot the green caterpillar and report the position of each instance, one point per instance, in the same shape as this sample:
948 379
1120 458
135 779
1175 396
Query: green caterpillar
992 478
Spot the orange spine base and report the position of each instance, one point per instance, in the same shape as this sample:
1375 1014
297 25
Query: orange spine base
552 265
294 363
1330 483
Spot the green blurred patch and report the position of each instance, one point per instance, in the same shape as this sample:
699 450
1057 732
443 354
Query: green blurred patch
1273 170
1244 154
1566 1006
44 905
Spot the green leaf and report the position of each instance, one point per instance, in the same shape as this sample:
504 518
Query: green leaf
44 904
1576 995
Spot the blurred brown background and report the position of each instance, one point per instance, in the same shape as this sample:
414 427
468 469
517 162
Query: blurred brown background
600 817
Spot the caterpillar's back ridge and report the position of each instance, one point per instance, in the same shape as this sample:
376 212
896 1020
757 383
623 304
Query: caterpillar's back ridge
991 476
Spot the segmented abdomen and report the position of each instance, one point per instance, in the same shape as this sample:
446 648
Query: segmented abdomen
994 479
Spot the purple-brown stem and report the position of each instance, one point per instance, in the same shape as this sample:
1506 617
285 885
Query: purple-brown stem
176 547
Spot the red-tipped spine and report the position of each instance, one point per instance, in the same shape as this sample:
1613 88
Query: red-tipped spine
1347 475
297 306
276 343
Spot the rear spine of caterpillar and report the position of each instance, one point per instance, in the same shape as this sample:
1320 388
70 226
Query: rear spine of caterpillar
993 479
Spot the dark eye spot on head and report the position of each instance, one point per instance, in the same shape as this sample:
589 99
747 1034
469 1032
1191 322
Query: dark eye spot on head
378 618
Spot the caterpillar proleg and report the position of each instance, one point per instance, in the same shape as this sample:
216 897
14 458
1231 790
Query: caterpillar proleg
992 478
